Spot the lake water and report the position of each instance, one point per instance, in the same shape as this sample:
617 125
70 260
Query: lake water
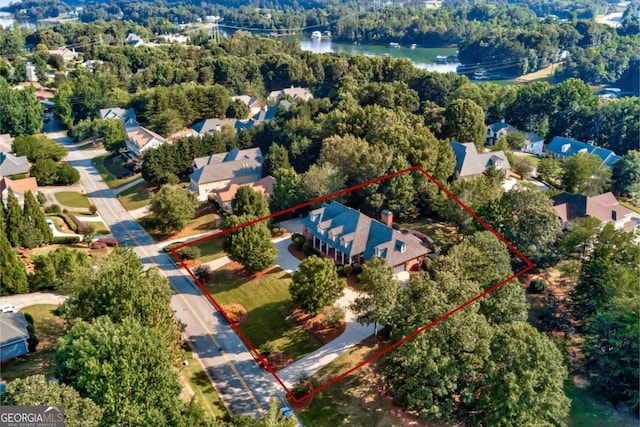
421 57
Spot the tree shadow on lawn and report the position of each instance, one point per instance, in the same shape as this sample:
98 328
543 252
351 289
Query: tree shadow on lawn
273 323
227 279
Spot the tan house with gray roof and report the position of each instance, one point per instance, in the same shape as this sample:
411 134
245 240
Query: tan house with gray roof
218 171
140 139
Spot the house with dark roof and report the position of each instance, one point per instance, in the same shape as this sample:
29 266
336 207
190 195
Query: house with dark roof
470 163
11 164
218 171
348 236
253 104
128 116
562 148
604 207
209 126
13 335
495 131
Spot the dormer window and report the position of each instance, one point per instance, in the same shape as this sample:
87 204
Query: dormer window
401 246
565 148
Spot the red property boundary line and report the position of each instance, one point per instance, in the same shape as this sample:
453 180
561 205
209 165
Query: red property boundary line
262 360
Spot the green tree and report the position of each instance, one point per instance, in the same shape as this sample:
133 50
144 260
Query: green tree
124 368
380 289
34 218
250 202
88 233
316 284
585 174
549 170
625 175
38 147
516 141
36 390
119 287
113 134
63 100
523 381
321 181
172 208
66 174
45 171
22 112
15 220
276 158
13 276
237 110
57 268
250 245
526 219
473 192
287 190
464 122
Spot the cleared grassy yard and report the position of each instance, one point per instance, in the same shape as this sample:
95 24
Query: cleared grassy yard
136 197
210 249
588 410
204 392
73 199
629 205
49 328
268 305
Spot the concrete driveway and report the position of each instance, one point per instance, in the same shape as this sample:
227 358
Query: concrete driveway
285 260
35 298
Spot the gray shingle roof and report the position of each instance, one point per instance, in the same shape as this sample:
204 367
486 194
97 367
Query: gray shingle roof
13 333
471 163
222 166
570 147
11 164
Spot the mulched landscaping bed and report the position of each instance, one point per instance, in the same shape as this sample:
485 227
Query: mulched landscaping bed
315 326
278 361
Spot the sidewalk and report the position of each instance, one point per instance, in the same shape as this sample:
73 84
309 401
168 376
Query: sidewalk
313 362
119 190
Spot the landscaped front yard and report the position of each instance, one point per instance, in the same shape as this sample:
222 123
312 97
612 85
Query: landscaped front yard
49 328
136 197
268 304
110 172
73 199
210 249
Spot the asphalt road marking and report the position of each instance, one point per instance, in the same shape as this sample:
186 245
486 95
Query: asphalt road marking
184 300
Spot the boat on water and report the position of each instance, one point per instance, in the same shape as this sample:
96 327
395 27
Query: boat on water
394 45
317 35
441 59
413 46
480 75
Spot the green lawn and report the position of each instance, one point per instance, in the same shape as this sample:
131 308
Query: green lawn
49 328
73 199
589 410
136 197
210 249
204 392
268 305
101 228
533 160
630 206
109 173
89 144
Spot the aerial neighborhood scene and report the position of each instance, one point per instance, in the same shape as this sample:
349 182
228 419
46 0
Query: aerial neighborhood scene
320 213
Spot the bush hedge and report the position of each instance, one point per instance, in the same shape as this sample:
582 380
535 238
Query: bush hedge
168 248
64 240
189 252
79 224
297 240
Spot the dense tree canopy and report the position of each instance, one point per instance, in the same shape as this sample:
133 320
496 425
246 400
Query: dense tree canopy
315 284
172 208
250 245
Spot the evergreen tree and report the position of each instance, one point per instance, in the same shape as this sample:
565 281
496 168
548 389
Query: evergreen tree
3 217
13 274
34 218
14 219
249 202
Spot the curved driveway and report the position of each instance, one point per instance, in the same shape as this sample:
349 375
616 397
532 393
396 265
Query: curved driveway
35 298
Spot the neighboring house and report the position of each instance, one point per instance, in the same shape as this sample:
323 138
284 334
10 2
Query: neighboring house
11 164
66 54
6 143
266 114
471 163
225 196
31 72
348 236
604 207
218 171
209 126
18 186
534 143
13 336
297 93
128 116
182 133
495 131
134 40
139 139
91 64
254 105
562 148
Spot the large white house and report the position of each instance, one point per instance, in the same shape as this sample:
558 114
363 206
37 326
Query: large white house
219 171
139 139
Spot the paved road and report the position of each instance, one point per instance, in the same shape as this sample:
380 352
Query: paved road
243 386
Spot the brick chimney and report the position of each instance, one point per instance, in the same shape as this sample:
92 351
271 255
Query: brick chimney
386 217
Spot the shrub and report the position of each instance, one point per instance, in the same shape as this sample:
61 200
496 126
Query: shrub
202 272
357 268
79 224
297 240
277 231
302 387
98 245
52 209
42 199
538 286
267 348
189 252
395 226
33 339
340 270
93 209
347 270
64 240
332 316
168 248
307 248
